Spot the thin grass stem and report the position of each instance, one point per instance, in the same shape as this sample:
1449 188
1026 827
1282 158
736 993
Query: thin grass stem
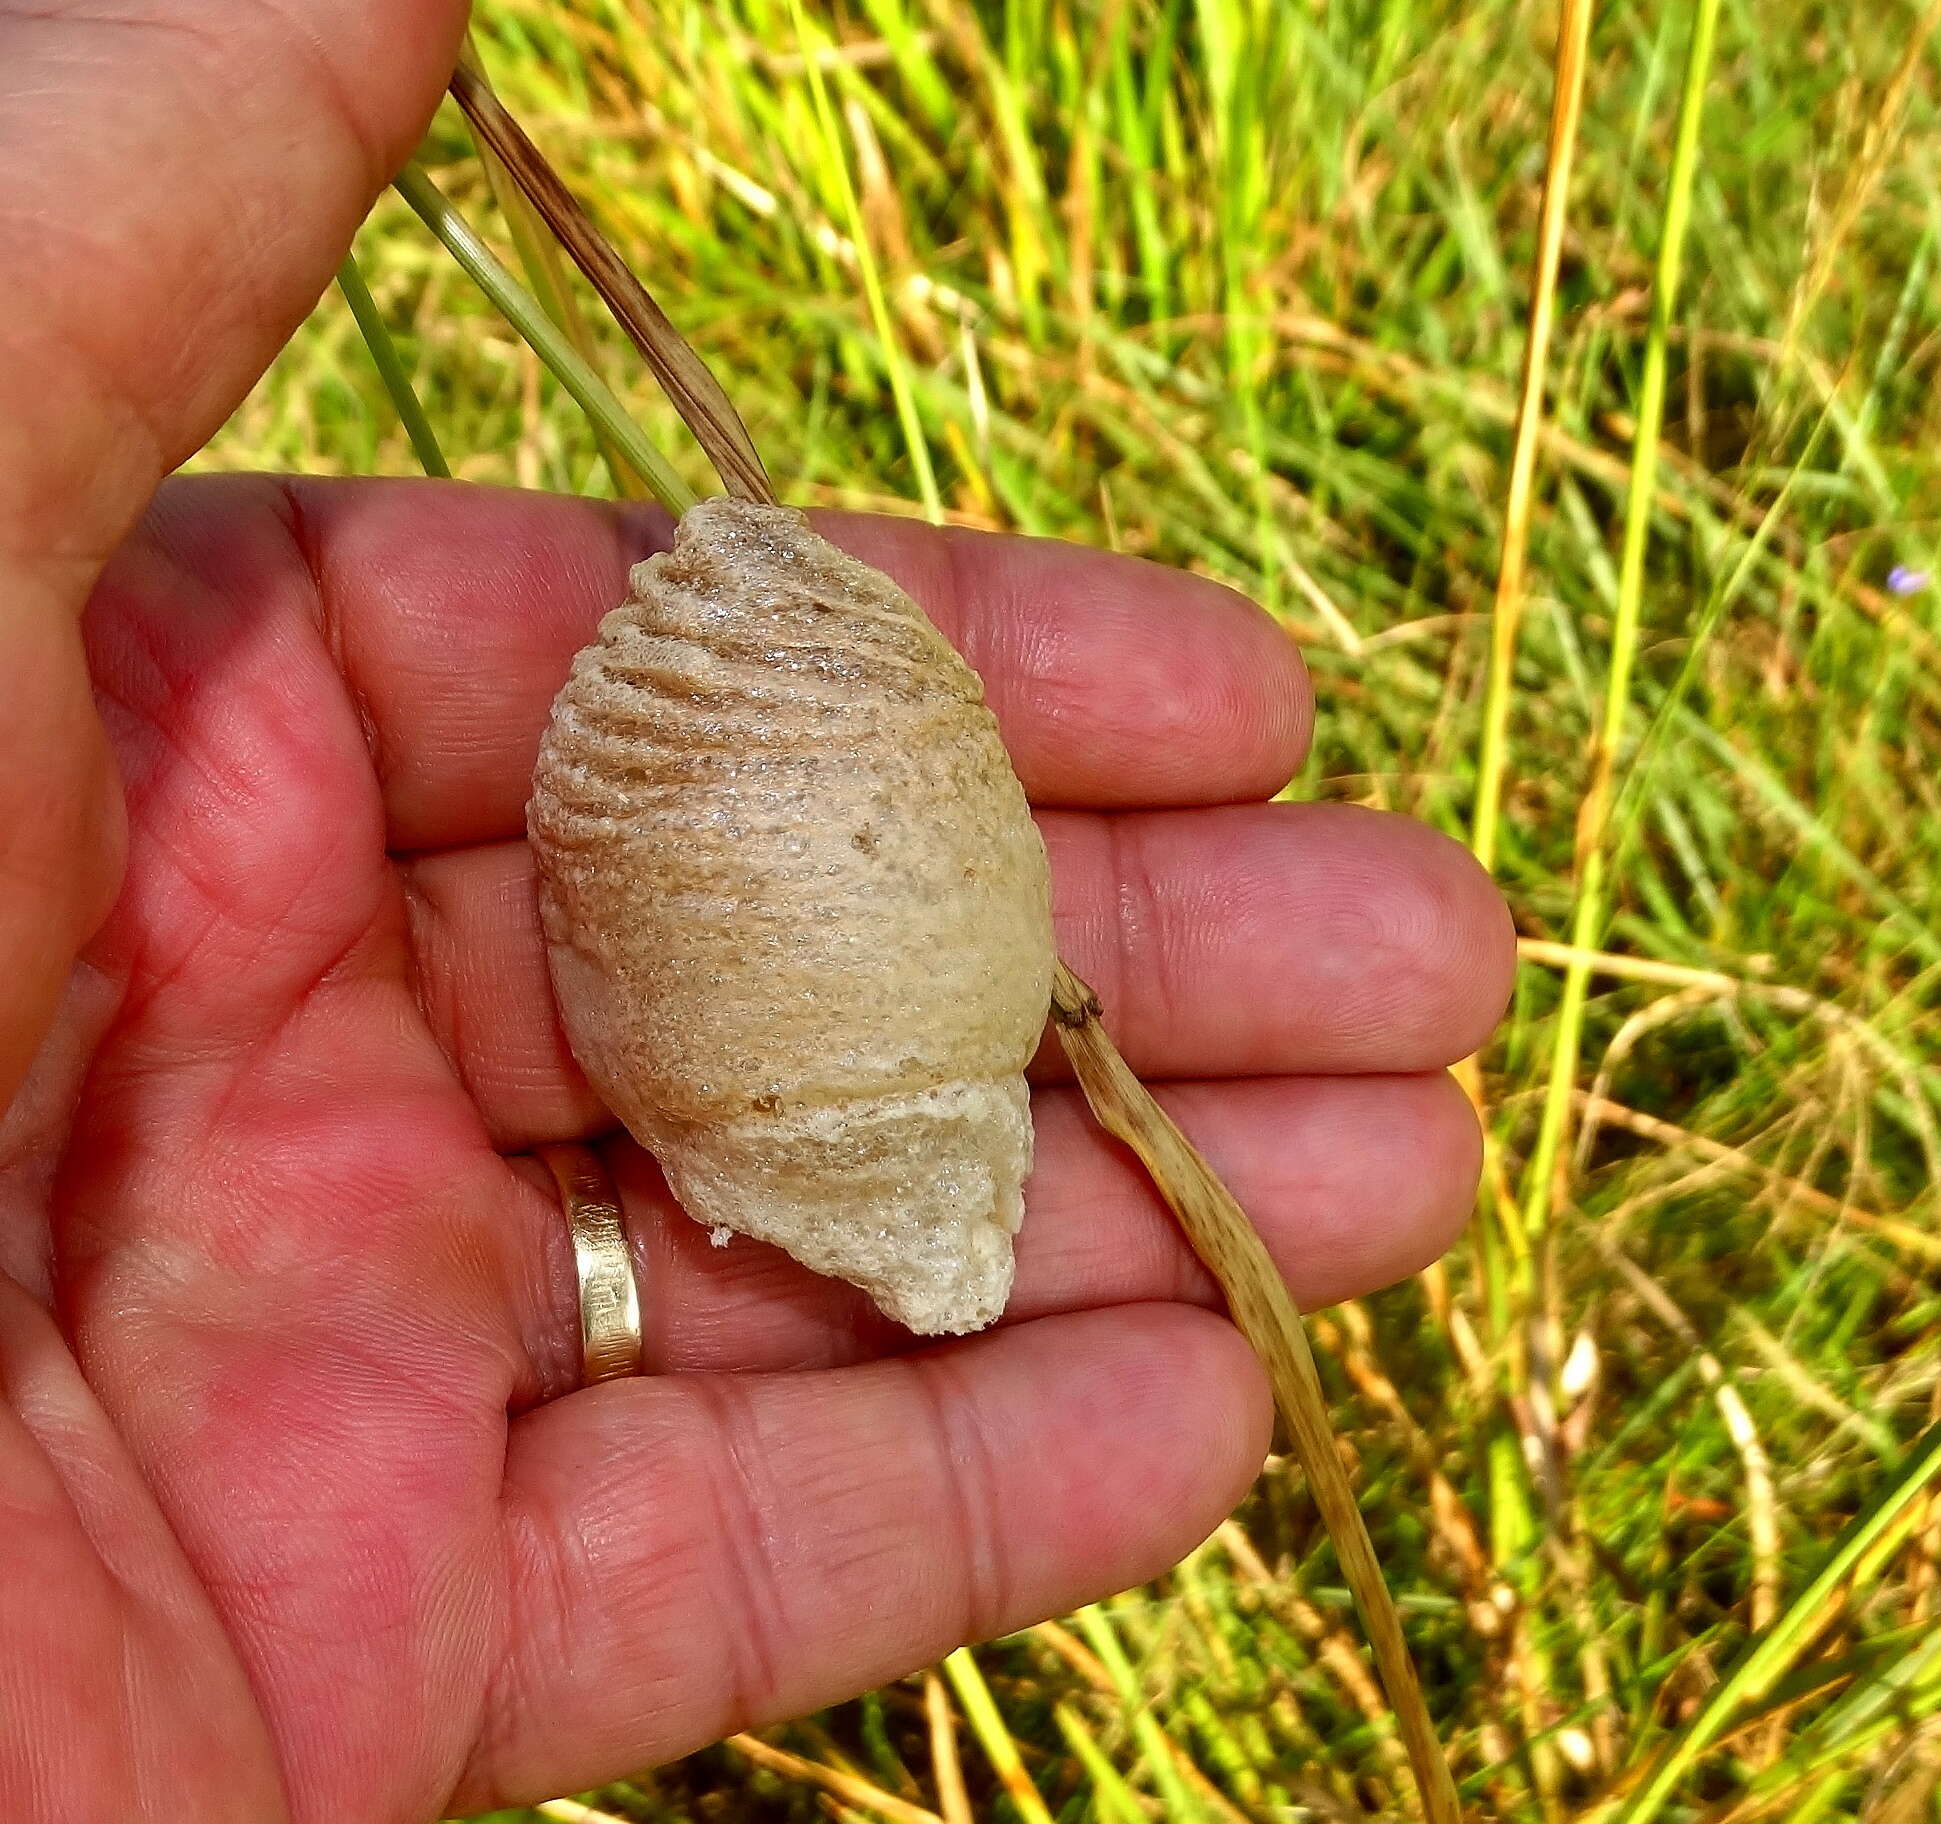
523 312
539 259
685 377
390 369
1646 764
1111 1793
1156 1748
839 1783
1588 912
1567 106
987 1724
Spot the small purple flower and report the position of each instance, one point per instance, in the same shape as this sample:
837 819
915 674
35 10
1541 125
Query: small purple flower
1903 579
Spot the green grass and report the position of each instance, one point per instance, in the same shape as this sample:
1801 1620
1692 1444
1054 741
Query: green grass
1241 284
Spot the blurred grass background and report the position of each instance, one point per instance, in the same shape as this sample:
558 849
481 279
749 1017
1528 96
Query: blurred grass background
1242 285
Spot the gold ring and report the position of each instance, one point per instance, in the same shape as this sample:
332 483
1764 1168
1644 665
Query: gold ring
610 1341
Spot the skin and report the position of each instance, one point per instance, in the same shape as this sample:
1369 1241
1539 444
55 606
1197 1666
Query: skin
302 1518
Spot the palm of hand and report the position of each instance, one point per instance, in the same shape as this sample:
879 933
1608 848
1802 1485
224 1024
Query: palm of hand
296 1520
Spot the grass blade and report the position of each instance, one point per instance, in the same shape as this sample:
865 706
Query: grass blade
987 1724
1775 1650
539 257
522 310
1573 35
879 310
1111 1794
1588 913
696 393
1155 1747
390 368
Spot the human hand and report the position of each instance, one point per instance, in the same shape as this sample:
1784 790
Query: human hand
302 1515
319 1412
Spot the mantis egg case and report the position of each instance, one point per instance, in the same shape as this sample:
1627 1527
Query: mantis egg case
797 911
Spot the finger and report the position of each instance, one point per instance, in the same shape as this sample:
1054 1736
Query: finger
183 176
1353 1182
1255 939
456 612
1116 681
1242 941
695 1555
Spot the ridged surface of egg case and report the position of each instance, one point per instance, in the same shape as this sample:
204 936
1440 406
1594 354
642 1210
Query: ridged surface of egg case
797 911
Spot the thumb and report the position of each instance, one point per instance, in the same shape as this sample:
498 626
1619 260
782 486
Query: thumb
184 176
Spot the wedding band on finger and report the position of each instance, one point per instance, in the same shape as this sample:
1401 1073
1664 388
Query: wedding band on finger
610 1339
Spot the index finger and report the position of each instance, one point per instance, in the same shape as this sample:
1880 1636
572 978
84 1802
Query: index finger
455 610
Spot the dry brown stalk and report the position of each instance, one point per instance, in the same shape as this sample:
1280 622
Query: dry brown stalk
946 1763
1261 1306
696 394
539 254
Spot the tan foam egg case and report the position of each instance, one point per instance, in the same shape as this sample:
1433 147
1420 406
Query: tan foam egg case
797 911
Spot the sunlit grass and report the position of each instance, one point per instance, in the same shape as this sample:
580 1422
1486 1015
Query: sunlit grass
1242 284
